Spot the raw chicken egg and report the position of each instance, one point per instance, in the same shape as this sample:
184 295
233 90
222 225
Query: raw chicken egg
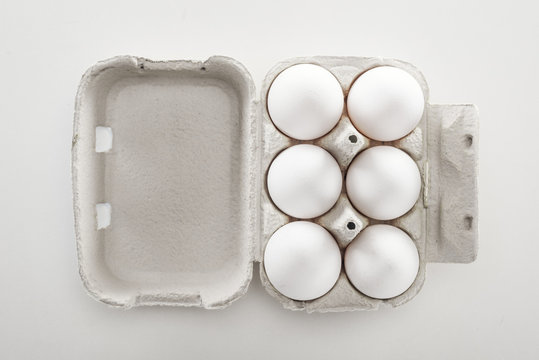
382 262
385 103
305 101
302 260
383 182
304 181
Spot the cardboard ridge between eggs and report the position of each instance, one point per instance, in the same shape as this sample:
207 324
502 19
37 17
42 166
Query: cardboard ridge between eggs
184 180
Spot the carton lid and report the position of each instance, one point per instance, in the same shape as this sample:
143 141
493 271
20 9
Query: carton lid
165 180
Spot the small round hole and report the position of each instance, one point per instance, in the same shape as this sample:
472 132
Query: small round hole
353 139
351 225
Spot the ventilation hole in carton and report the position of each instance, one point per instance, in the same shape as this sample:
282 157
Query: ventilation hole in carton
103 139
468 140
103 213
351 225
353 139
468 222
141 66
203 68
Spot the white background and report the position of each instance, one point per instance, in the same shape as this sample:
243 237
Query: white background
485 52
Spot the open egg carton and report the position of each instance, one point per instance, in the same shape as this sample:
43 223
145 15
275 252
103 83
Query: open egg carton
169 181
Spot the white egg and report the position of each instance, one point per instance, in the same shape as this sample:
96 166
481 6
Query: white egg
302 260
382 262
383 182
385 103
304 181
305 101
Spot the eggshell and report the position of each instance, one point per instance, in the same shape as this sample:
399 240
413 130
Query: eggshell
385 103
382 262
302 260
304 181
305 101
383 182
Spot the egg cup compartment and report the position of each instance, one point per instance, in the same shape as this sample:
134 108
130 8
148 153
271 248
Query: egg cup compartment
169 168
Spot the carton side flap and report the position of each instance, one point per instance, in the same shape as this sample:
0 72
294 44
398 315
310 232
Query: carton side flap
451 199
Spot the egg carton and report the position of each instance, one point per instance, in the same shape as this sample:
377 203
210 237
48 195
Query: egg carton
169 163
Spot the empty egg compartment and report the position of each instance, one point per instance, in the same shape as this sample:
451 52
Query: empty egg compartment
343 221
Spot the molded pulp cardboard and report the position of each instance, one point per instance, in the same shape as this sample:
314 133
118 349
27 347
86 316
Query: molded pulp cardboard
170 202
